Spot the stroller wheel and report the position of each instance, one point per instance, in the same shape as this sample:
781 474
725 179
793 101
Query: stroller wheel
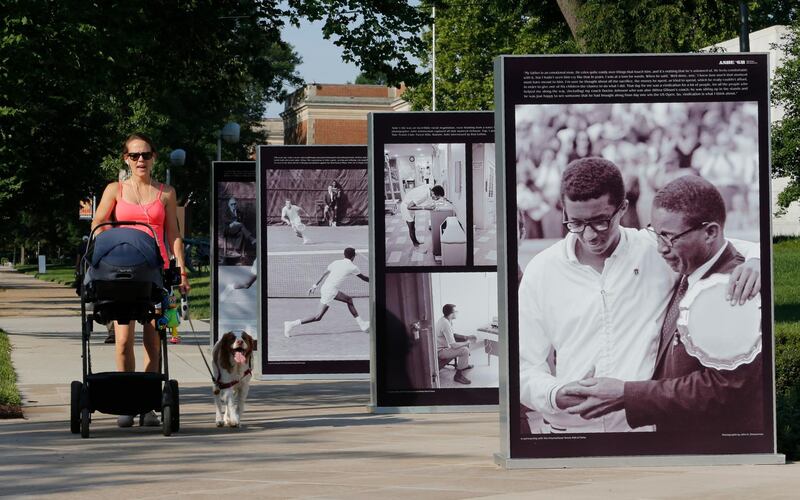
176 406
75 407
86 417
166 420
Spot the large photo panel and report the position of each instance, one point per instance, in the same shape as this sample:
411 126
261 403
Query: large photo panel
434 222
314 260
636 195
234 243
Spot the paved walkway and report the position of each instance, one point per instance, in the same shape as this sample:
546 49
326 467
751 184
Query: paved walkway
299 440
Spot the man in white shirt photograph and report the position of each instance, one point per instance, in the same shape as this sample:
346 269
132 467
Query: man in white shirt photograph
290 215
450 345
597 298
420 198
333 277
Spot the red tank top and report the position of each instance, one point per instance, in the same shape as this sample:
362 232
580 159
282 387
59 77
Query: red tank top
152 213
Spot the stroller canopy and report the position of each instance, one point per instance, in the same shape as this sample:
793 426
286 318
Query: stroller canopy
121 246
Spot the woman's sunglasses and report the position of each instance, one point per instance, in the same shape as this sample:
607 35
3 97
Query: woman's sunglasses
135 156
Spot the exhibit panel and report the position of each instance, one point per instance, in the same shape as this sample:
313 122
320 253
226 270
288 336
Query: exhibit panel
434 239
234 233
313 305
633 190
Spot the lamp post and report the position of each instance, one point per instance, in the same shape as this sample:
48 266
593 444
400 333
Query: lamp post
230 133
177 158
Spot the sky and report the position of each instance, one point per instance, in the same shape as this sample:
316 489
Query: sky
322 60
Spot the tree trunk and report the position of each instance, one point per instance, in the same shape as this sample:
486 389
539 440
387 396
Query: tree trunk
22 255
569 9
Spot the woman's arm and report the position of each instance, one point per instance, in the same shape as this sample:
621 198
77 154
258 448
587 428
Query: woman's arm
174 240
108 201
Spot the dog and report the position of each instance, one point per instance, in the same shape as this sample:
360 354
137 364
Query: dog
232 367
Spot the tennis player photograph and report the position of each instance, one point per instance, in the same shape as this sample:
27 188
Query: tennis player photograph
640 271
425 209
317 264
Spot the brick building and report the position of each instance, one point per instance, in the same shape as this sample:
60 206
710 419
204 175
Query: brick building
322 113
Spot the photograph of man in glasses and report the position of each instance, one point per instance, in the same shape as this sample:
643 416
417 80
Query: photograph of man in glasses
598 299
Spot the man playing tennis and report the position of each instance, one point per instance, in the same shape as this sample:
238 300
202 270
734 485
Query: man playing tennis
336 273
290 214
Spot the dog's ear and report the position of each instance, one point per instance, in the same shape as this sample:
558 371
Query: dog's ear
251 342
225 350
251 346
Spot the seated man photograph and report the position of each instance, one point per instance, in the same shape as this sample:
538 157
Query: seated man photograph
450 345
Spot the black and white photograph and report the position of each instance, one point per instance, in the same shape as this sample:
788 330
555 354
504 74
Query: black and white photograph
451 338
425 211
316 267
637 293
624 181
484 205
236 291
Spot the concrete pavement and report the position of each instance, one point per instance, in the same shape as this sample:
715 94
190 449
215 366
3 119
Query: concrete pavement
300 440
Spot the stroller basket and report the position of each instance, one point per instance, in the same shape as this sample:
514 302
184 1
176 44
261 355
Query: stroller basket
124 277
125 393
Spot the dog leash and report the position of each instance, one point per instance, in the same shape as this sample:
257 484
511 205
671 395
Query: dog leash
202 354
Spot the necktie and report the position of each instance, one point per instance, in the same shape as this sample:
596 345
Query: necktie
671 320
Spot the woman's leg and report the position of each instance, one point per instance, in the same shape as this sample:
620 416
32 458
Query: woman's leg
152 347
126 361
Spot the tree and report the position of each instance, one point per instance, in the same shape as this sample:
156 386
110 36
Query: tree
382 37
786 133
628 26
371 79
471 34
77 78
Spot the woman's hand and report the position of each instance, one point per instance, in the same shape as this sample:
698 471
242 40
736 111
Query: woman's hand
185 286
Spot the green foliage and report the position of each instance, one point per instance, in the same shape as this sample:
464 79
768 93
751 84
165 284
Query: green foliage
370 79
786 275
380 36
786 133
77 77
626 26
469 35
9 395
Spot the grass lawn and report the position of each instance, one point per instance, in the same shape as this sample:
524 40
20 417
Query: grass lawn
786 276
199 307
9 395
63 274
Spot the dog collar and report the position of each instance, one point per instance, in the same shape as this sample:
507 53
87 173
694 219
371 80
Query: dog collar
228 385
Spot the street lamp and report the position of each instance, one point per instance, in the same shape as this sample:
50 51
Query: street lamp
177 158
230 132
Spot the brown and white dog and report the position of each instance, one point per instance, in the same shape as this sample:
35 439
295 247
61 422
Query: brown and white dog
232 366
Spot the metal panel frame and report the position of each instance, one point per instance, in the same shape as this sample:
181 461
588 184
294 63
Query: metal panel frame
503 458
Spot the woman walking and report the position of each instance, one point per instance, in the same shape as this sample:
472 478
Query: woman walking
141 199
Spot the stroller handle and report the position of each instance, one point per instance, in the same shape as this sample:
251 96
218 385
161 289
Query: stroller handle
118 223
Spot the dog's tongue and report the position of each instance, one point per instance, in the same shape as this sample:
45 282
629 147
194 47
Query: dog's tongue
239 358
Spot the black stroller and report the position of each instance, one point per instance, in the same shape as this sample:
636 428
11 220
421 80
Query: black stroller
122 276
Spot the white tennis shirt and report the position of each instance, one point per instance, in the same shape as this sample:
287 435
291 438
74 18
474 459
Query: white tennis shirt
292 213
608 321
339 271
418 196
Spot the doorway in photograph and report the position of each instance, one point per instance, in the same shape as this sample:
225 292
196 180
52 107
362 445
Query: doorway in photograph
484 205
442 330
